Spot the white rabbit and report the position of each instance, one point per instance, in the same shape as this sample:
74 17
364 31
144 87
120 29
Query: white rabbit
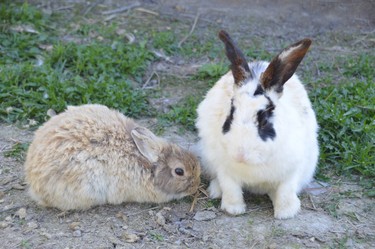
91 155
258 130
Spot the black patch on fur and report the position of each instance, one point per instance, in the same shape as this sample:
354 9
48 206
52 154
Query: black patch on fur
265 127
228 121
259 90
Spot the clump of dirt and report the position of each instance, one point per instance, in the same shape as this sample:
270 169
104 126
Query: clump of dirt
333 215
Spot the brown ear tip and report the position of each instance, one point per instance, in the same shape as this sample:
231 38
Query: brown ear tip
307 42
223 35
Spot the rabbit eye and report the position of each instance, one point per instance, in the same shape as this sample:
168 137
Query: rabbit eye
179 171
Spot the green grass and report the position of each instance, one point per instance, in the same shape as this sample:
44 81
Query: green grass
157 237
71 74
17 151
183 113
346 115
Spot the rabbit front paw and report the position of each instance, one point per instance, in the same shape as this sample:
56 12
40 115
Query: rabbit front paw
287 208
214 190
233 208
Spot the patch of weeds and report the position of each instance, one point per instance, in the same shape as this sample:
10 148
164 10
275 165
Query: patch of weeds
28 92
277 232
95 59
258 55
331 206
21 32
195 47
166 41
213 203
70 74
360 66
341 242
346 117
157 237
25 244
250 222
17 151
183 114
16 13
211 73
368 186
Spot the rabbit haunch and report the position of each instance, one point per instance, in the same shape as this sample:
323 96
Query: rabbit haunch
91 155
258 130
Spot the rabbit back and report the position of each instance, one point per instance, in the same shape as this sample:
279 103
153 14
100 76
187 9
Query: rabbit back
84 157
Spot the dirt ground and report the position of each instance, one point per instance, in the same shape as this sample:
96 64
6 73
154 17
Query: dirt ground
334 215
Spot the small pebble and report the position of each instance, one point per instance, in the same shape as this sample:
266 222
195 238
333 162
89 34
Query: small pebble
160 219
51 113
2 194
21 213
47 235
122 216
18 186
3 224
32 225
204 215
74 225
273 246
130 238
77 233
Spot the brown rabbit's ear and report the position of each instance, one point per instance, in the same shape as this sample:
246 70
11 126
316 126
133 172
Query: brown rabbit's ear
147 143
239 66
283 66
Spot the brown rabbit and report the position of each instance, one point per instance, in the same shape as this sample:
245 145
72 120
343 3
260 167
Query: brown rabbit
91 155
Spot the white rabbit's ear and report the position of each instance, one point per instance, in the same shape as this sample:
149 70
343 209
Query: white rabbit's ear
283 66
147 143
240 68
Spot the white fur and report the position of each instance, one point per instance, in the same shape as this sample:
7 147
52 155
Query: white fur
240 158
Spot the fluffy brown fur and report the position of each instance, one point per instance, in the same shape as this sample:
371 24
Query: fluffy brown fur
91 155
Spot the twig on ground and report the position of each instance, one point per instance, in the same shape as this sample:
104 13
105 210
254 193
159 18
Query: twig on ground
4 148
255 243
203 191
122 9
145 85
91 6
142 211
63 8
191 30
194 202
108 18
147 11
11 208
312 202
161 55
62 214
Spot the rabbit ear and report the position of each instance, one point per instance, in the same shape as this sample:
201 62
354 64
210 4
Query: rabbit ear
147 143
283 66
239 66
